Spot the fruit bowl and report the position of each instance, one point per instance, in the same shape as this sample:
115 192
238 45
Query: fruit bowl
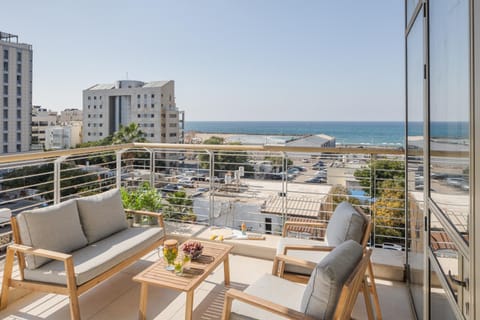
193 249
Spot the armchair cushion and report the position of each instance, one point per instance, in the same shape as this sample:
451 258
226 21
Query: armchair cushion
102 215
346 223
54 228
274 289
326 282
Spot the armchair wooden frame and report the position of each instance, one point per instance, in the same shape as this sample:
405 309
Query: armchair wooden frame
356 282
72 290
280 267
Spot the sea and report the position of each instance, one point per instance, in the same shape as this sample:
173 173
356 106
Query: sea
378 133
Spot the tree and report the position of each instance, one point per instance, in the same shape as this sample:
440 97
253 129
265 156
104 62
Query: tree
379 171
179 207
388 179
128 134
226 160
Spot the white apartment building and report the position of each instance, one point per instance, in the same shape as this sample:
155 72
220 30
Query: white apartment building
42 119
68 115
16 93
152 105
63 136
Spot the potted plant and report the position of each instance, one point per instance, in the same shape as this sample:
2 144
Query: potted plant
145 198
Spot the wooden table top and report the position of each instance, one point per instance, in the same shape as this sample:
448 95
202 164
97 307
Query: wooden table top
213 254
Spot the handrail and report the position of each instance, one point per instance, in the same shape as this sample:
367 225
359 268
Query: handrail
198 147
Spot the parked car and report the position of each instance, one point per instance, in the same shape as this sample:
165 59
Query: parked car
317 179
186 182
392 246
171 188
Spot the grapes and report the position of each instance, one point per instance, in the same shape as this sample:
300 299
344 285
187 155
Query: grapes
192 248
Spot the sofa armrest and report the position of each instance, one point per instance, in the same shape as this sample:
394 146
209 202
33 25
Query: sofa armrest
258 302
55 255
288 224
158 215
306 247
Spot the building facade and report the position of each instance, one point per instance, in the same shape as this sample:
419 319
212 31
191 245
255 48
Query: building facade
42 119
63 136
68 115
106 107
16 72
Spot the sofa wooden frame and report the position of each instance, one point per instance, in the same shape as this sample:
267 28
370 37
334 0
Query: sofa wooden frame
303 279
72 290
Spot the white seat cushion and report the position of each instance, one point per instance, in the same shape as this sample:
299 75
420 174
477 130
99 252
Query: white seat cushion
271 288
313 256
97 258
102 215
54 228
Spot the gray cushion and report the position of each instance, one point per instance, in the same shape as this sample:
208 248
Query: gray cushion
326 282
97 258
102 215
313 256
54 228
346 223
271 288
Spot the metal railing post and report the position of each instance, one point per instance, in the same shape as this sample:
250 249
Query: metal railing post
118 159
152 167
284 187
57 175
373 196
211 197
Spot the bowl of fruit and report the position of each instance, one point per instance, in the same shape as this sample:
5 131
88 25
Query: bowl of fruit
193 249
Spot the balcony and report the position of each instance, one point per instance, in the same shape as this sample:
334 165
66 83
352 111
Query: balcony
222 186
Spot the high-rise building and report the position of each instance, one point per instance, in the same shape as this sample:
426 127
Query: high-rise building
68 115
106 107
16 103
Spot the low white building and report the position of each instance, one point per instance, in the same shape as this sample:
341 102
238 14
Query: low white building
63 137
41 120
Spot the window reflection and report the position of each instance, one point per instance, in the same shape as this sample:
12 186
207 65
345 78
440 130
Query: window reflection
449 110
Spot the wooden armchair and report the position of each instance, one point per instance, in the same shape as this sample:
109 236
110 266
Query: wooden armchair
315 250
339 276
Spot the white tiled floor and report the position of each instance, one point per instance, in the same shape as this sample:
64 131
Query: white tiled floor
118 297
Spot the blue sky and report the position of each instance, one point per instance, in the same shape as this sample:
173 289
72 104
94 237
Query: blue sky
231 60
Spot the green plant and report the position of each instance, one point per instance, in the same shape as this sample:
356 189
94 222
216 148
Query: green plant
144 197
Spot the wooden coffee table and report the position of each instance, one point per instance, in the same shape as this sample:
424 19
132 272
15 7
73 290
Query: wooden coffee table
156 275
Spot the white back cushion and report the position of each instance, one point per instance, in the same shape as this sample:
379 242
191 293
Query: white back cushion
346 223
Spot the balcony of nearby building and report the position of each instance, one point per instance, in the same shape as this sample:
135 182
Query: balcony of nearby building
217 189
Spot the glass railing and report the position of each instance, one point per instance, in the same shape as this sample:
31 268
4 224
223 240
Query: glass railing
220 185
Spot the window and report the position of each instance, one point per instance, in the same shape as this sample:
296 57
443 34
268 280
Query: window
19 102
95 98
19 68
138 96
172 125
89 124
89 97
152 135
100 134
89 116
100 124
19 56
153 96
161 95
5 137
5 89
153 105
173 134
19 114
101 115
152 125
88 107
19 137
5 102
139 115
5 149
5 114
172 115
152 116
89 134
5 78
19 91
94 107
19 125
161 105
138 106
5 54
5 125
5 67
100 106
145 105
19 147
100 97
145 96
19 80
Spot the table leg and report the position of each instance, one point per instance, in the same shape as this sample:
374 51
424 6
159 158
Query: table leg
142 313
226 270
189 305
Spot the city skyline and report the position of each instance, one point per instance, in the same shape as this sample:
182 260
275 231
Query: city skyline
244 60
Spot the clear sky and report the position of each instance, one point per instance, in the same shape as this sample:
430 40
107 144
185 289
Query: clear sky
316 60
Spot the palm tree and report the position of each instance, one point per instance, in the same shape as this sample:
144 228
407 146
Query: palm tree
128 134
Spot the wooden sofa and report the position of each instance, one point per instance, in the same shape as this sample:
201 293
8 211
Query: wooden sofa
71 247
